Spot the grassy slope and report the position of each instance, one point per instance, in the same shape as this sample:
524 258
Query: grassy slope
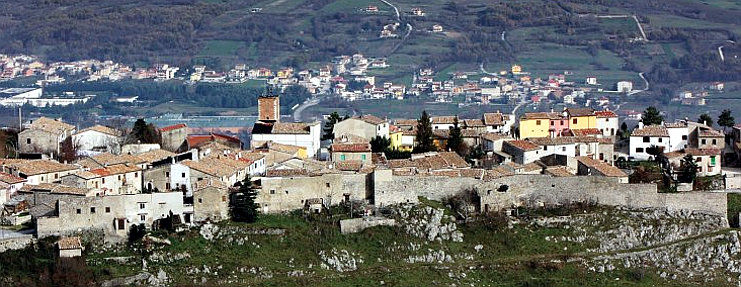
511 257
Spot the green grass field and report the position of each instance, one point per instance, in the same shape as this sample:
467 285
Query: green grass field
221 48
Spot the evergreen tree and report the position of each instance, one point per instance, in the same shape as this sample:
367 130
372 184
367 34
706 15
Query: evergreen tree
726 120
328 132
380 144
425 142
144 133
705 119
242 206
652 116
688 169
455 138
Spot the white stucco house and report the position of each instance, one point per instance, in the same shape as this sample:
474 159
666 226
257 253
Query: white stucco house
97 139
644 137
307 135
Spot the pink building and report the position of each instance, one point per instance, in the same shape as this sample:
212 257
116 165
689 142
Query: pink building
558 124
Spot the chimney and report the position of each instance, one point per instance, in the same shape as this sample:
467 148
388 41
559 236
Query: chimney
640 124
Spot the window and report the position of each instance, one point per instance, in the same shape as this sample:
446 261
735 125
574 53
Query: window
142 217
712 160
537 123
79 211
28 140
200 200
563 148
182 175
646 139
639 149
200 178
142 205
92 210
363 156
136 174
286 191
704 141
56 175
715 141
342 157
327 184
661 139
167 174
601 156
545 147
121 224
167 185
684 137
103 180
574 121
553 123
107 209
561 122
96 184
272 191
119 177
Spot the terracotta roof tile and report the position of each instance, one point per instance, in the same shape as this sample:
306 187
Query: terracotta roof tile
371 119
603 168
493 119
442 120
605 114
651 131
495 136
580 112
10 179
173 127
290 128
351 147
542 115
35 167
69 243
710 133
522 145
51 125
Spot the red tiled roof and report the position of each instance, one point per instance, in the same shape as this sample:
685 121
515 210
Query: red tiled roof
522 145
586 132
651 131
351 147
173 127
606 114
10 179
603 168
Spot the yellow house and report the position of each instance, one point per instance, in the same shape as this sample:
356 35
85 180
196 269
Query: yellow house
516 69
537 125
582 118
395 137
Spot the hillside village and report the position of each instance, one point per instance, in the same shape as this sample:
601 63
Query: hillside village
350 77
110 183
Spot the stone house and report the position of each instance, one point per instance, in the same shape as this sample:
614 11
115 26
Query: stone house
44 136
110 180
186 173
114 215
707 160
522 152
9 186
174 137
39 171
443 122
69 247
210 201
346 151
286 190
589 166
498 122
97 138
607 123
366 127
493 141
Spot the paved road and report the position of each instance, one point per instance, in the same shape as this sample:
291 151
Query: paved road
410 28
297 117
